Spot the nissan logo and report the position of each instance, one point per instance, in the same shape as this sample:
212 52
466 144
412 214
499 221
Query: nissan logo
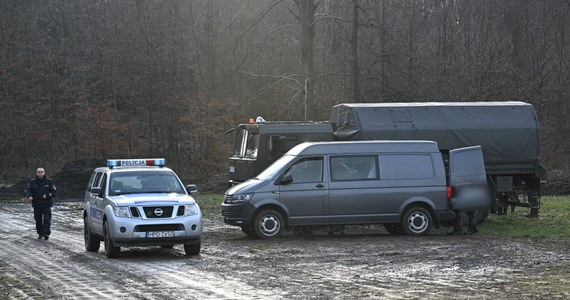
158 212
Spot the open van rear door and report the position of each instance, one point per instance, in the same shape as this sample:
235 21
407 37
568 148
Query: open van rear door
468 180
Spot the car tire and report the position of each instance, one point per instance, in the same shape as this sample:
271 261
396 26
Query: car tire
248 231
417 221
393 228
92 242
268 224
111 251
192 249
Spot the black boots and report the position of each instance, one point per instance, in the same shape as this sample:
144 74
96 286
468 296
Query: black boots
472 230
459 230
533 213
456 231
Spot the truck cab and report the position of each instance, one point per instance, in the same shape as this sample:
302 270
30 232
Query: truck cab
259 144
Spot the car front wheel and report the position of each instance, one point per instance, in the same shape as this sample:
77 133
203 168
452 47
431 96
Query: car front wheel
192 249
92 242
111 251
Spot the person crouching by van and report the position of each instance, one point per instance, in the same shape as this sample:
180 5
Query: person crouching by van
458 223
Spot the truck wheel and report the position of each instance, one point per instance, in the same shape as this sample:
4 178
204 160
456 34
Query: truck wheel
192 249
92 242
110 250
268 224
393 228
248 231
417 221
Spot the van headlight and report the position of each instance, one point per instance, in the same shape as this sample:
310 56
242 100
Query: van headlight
238 198
122 212
190 210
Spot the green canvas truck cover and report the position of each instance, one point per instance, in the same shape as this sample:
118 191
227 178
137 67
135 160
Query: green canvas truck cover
506 131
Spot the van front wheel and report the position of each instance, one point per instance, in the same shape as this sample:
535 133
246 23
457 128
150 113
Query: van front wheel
417 221
268 224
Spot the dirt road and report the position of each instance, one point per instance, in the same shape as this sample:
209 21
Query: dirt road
366 262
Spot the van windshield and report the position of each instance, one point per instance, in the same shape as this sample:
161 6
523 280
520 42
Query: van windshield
272 171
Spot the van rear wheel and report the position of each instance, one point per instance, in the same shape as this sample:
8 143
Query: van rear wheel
417 221
268 224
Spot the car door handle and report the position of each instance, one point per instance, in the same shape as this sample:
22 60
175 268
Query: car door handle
320 185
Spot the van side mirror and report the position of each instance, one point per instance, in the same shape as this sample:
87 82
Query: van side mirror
191 188
286 179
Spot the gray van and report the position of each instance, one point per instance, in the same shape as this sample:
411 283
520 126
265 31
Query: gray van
406 185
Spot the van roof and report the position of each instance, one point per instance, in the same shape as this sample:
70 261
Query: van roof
363 147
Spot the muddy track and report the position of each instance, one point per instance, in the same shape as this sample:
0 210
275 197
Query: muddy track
365 262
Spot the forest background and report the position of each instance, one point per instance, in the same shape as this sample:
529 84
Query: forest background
104 79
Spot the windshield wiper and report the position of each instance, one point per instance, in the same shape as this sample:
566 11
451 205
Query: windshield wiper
125 193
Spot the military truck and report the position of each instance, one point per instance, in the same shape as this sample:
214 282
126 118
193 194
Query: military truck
506 131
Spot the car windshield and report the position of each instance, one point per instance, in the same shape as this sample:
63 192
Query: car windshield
272 171
137 182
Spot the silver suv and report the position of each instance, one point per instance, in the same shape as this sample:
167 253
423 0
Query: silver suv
139 202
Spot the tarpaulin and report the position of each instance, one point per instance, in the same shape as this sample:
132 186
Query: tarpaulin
506 131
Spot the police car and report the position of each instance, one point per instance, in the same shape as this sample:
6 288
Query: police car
140 202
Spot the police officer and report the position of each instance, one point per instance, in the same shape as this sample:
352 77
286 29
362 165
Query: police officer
40 192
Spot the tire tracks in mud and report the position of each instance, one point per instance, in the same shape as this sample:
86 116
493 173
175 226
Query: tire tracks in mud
61 268
361 264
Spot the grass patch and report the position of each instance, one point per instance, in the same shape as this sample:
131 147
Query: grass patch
210 204
553 221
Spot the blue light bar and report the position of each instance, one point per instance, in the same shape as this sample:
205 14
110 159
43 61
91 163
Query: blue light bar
160 162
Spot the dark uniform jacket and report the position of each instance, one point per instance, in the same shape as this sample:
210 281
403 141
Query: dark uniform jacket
38 188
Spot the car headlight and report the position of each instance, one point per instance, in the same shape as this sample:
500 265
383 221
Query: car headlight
122 212
239 198
190 210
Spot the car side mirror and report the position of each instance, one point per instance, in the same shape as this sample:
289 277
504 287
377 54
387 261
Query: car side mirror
97 191
286 179
191 188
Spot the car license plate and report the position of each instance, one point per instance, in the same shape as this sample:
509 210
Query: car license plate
160 234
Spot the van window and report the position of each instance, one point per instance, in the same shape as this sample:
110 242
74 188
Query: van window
406 166
308 169
362 167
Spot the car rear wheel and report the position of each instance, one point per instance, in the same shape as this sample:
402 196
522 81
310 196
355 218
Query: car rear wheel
92 242
417 221
192 249
268 224
111 251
